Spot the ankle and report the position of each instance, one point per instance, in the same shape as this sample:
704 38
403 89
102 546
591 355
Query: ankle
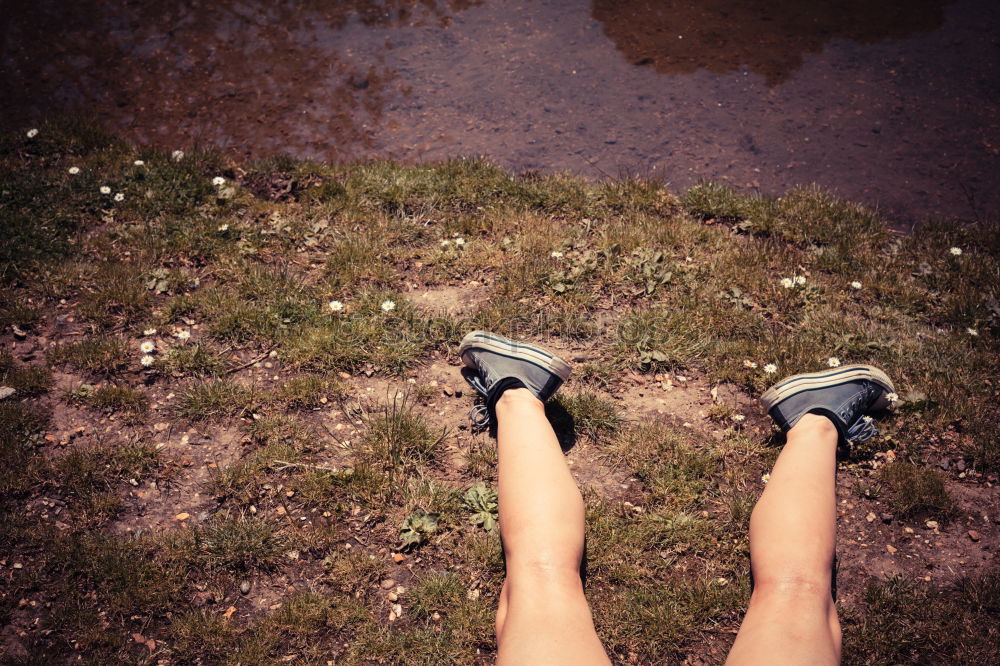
518 397
813 425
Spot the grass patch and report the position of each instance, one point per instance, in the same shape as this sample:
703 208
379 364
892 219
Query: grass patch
96 355
593 415
26 380
132 403
193 359
396 436
213 399
916 491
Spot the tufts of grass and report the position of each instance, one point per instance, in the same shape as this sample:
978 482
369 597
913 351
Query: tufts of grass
116 297
396 436
240 544
203 634
26 380
309 391
21 429
132 403
916 490
902 622
193 359
274 438
97 355
89 476
593 415
213 399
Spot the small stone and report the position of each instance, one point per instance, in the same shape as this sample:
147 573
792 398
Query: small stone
889 547
344 375
960 465
6 392
245 587
870 517
931 524
435 616
388 583
447 391
400 590
182 516
887 518
392 596
974 535
398 557
18 333
160 427
398 610
908 530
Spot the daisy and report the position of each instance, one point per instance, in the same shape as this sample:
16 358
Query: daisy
139 163
866 418
73 170
183 334
32 133
336 306
833 362
147 361
972 331
149 331
105 189
177 155
388 306
120 196
223 228
956 251
765 478
218 181
787 283
459 241
749 364
856 285
556 254
892 397
800 279
738 417
770 368
147 347
445 243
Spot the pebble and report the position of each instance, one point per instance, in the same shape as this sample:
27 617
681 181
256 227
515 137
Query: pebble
245 587
388 583
974 535
889 547
182 516
870 517
398 557
6 392
887 518
931 524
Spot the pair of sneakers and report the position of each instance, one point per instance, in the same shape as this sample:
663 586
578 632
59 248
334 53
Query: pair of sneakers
847 395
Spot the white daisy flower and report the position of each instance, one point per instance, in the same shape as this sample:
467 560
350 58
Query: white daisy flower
32 133
833 362
218 181
183 334
749 364
120 196
147 361
177 155
787 283
738 417
105 189
972 331
892 397
765 478
336 306
388 306
149 331
770 368
139 163
856 285
445 243
866 418
956 251
147 347
459 241
73 170
223 227
556 254
800 279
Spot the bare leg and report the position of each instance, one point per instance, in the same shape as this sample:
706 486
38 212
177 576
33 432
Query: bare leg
792 618
543 616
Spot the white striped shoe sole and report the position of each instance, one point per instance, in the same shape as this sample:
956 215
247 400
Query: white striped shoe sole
816 380
517 350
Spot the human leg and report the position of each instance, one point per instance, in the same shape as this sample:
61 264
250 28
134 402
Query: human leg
543 615
792 618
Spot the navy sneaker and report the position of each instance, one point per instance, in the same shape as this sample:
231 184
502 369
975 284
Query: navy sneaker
494 364
844 395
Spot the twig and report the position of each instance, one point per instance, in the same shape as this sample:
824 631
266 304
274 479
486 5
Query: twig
285 465
249 363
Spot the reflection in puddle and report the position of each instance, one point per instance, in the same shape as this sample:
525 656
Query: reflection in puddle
770 37
894 104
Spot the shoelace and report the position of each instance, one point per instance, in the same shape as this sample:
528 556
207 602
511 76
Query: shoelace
862 430
479 415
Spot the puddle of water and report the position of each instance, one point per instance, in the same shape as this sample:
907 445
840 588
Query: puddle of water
893 103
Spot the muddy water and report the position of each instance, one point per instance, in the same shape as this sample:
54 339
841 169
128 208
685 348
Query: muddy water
893 103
